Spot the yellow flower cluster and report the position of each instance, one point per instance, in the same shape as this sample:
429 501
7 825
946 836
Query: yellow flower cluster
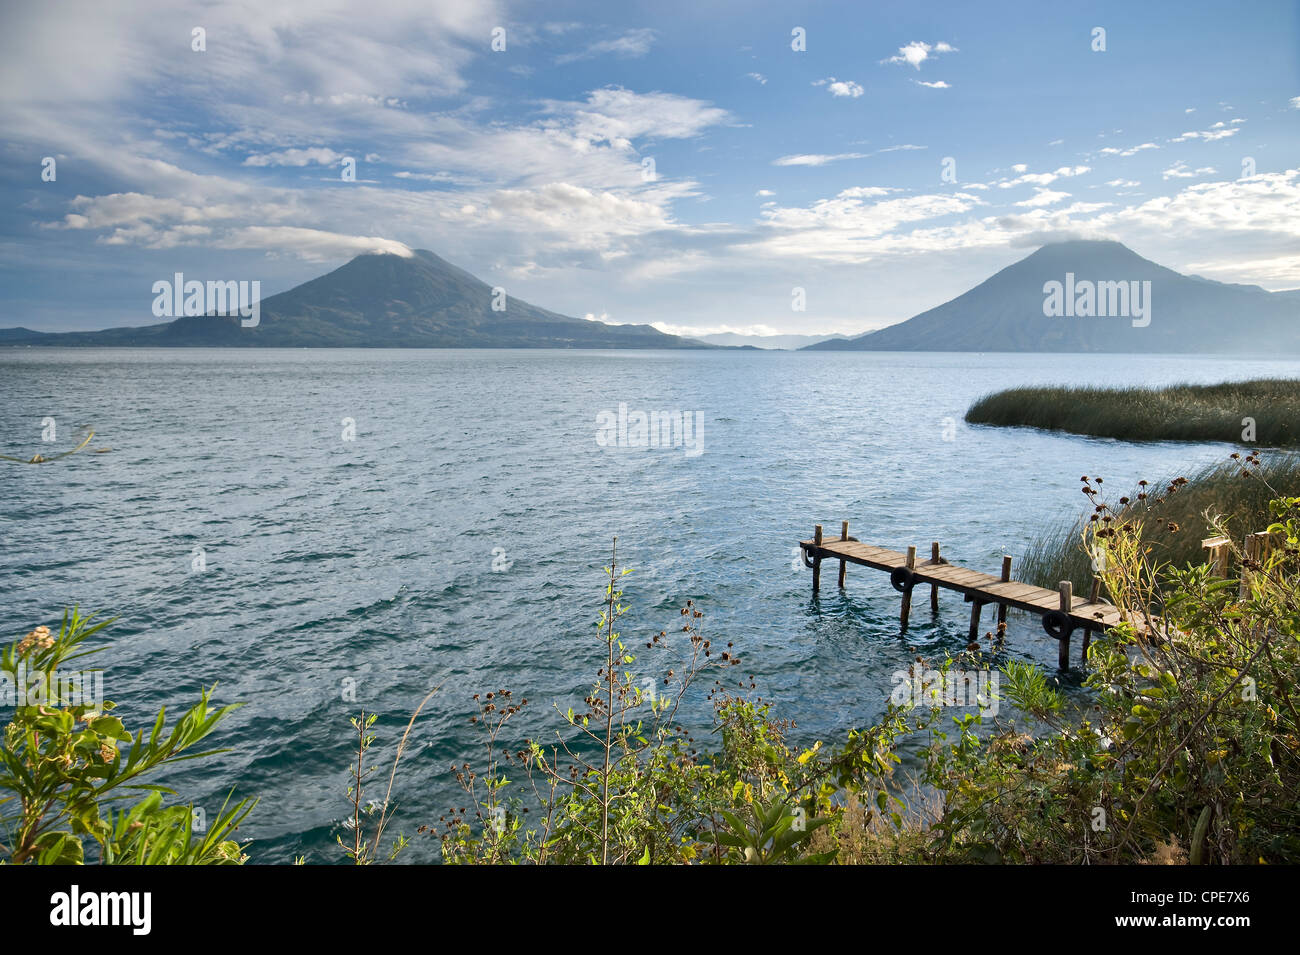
40 638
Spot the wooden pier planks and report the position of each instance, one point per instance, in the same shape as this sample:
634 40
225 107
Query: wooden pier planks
977 587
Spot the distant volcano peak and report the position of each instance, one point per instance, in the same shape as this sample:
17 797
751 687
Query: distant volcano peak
1009 310
383 299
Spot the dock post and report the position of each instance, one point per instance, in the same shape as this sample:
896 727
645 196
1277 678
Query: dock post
975 608
934 588
1006 577
844 536
817 559
1256 550
907 594
1218 548
1067 604
1093 595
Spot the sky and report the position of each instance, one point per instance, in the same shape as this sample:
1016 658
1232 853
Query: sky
687 164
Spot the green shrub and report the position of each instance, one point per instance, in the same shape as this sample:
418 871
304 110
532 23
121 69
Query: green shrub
1192 749
624 782
68 768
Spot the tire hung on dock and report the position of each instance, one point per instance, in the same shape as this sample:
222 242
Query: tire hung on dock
1057 624
902 579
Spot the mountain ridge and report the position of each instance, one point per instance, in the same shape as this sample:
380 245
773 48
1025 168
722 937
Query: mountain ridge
378 300
1006 312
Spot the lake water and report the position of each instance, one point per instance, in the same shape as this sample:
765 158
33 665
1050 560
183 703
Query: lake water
459 538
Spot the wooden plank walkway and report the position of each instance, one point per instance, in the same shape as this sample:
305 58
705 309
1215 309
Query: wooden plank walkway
1060 610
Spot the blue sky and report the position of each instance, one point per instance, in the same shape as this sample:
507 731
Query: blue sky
667 162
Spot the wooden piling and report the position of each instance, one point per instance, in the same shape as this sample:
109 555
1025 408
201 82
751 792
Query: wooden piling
1063 647
1218 548
1093 596
907 593
975 608
934 588
844 535
1256 550
817 559
1006 577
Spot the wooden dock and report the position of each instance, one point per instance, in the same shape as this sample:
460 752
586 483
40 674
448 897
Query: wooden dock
1061 612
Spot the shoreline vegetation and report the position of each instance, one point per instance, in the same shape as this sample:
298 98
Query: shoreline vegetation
1237 492
1188 751
1262 411
1202 698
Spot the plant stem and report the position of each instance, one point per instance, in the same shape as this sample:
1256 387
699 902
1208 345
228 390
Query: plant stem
609 709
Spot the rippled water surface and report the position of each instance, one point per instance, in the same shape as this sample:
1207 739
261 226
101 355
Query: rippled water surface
372 560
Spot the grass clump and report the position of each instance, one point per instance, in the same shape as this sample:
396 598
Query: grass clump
1238 491
1265 411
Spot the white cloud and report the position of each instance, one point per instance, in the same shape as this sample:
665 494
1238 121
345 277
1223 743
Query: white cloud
423 176
1044 197
765 192
633 43
1041 178
936 85
296 157
815 159
1295 102
1217 131
310 244
847 211
758 78
841 87
866 192
1265 208
1281 271
618 115
1113 151
1122 183
1179 170
916 53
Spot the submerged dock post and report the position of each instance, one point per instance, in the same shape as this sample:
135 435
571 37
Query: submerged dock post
1006 578
817 559
1093 596
1063 647
907 592
934 588
844 535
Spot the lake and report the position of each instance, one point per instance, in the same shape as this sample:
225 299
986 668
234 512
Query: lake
453 529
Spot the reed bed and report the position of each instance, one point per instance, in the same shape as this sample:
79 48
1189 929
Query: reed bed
1262 411
1175 527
